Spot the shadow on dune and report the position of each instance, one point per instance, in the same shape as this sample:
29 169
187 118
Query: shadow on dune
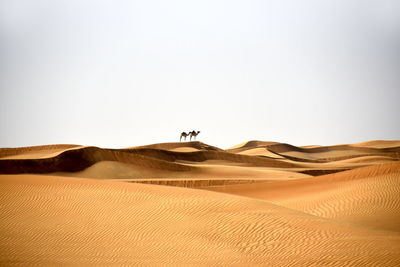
160 157
80 159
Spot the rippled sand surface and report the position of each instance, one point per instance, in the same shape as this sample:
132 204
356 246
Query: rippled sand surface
189 203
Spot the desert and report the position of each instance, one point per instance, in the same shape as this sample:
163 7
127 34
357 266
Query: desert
199 133
190 203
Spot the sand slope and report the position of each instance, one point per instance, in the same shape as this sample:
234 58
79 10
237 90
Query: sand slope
256 204
46 151
191 159
56 221
366 196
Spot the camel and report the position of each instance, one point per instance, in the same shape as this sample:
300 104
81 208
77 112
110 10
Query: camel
193 134
184 134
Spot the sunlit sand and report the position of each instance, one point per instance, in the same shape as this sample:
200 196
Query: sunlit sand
189 203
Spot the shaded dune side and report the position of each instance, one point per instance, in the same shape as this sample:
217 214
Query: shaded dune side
140 161
91 222
320 171
119 170
320 154
330 153
282 147
80 159
335 156
332 156
367 147
200 156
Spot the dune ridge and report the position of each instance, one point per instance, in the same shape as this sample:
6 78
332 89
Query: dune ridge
379 143
79 159
28 151
72 158
250 144
169 146
189 203
331 153
200 156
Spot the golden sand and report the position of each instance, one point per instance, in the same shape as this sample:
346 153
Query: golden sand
257 204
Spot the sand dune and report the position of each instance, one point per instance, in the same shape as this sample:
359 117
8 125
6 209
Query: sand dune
368 159
120 170
250 144
366 196
34 152
80 159
379 144
184 149
194 145
258 203
331 153
80 222
167 163
260 151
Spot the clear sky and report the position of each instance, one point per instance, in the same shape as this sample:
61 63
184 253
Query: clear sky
120 73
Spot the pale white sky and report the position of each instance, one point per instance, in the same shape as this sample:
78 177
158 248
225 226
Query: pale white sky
123 73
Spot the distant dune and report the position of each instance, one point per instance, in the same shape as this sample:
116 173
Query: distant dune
258 203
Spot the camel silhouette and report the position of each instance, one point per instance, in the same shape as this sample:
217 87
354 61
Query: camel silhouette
184 134
193 134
